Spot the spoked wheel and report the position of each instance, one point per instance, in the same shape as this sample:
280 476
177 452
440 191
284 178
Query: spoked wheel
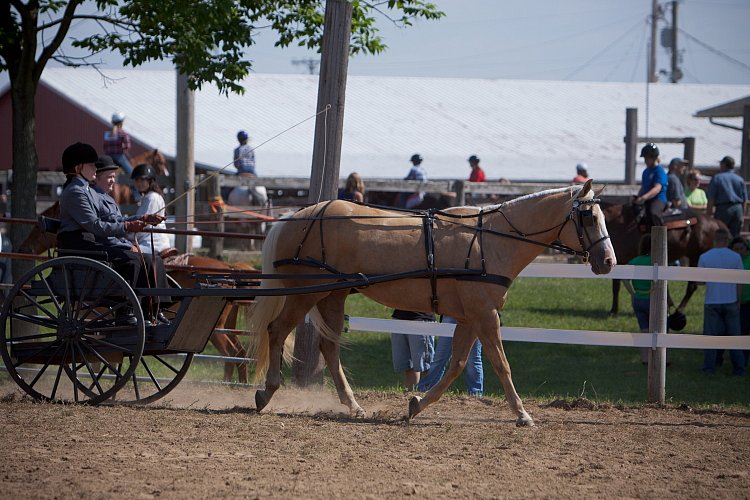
157 374
72 330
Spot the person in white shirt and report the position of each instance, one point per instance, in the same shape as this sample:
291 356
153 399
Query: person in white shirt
152 202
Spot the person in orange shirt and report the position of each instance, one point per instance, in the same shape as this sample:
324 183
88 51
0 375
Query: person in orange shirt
582 174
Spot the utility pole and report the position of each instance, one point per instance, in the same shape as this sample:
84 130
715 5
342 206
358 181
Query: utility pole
324 180
652 76
184 176
676 74
311 64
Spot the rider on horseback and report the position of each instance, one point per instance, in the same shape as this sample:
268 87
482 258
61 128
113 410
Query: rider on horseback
654 182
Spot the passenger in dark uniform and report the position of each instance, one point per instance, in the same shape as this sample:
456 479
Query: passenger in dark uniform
88 223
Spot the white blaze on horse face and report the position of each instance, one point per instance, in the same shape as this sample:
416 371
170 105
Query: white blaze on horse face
605 254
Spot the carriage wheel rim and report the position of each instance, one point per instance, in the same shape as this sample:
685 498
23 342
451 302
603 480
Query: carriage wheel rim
75 350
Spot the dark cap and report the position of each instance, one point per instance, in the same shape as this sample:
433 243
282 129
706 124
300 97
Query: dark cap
242 135
474 158
678 161
416 157
105 163
728 162
76 154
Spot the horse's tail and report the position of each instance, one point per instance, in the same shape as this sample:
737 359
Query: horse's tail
266 309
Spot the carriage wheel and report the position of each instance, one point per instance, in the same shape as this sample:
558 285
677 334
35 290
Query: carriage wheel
157 374
65 333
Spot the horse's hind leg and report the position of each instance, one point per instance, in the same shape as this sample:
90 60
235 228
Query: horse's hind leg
332 311
295 308
493 349
463 339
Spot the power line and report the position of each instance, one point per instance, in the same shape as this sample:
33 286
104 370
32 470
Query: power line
605 49
715 51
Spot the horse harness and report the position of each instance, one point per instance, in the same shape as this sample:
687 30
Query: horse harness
581 214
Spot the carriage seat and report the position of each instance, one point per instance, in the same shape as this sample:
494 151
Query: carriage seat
52 226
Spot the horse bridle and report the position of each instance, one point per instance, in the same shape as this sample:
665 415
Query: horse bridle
582 215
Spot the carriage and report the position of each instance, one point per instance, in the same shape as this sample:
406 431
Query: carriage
458 262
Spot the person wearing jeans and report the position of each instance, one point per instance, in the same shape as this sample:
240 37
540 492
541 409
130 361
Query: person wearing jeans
721 310
474 370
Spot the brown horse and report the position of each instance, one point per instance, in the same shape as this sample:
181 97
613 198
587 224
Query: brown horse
123 194
346 238
684 242
227 344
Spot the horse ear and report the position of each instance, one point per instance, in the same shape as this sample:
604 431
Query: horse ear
585 189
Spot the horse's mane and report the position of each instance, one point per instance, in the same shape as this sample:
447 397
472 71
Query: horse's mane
574 190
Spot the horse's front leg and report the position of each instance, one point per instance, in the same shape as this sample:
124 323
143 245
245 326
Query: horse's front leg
332 312
615 298
463 339
692 286
493 349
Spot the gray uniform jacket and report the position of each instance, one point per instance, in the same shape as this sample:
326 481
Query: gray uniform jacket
80 208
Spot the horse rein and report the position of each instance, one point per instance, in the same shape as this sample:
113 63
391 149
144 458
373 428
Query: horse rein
584 219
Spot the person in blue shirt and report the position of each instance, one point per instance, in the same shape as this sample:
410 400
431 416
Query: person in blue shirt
654 183
727 194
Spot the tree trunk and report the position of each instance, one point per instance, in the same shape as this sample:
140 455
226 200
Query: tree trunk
25 161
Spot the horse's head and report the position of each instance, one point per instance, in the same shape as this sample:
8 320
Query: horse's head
588 230
159 162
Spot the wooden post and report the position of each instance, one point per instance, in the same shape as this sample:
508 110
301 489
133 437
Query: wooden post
689 150
324 178
184 175
215 245
460 190
657 321
631 144
745 168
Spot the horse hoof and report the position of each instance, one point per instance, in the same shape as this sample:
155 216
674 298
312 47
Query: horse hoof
358 413
414 408
525 422
260 400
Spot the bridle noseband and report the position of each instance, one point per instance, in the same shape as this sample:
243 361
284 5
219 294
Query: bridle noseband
582 216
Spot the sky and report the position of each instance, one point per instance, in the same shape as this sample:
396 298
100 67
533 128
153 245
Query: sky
592 40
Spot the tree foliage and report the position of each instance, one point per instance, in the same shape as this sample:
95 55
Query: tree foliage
208 40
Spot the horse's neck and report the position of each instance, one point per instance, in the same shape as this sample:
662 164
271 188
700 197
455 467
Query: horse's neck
527 217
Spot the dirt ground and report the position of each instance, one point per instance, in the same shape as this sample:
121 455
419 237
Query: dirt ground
209 442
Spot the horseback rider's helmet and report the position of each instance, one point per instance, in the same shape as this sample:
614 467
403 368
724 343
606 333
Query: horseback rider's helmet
650 150
143 171
117 118
76 154
242 136
416 158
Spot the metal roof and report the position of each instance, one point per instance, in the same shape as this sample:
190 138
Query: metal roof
520 129
730 109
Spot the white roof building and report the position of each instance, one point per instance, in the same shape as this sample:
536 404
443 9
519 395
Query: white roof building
521 129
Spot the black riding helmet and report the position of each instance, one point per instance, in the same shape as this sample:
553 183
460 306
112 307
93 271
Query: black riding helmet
650 150
143 171
76 154
676 321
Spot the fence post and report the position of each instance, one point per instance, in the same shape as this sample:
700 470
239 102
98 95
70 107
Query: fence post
657 322
631 144
460 189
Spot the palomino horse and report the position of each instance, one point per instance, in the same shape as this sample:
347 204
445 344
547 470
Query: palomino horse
473 254
684 240
228 344
123 194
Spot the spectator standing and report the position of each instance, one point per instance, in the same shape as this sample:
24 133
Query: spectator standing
721 310
412 354
477 174
474 370
640 291
695 196
741 246
416 173
653 192
727 196
582 174
354 190
244 156
117 143
675 191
